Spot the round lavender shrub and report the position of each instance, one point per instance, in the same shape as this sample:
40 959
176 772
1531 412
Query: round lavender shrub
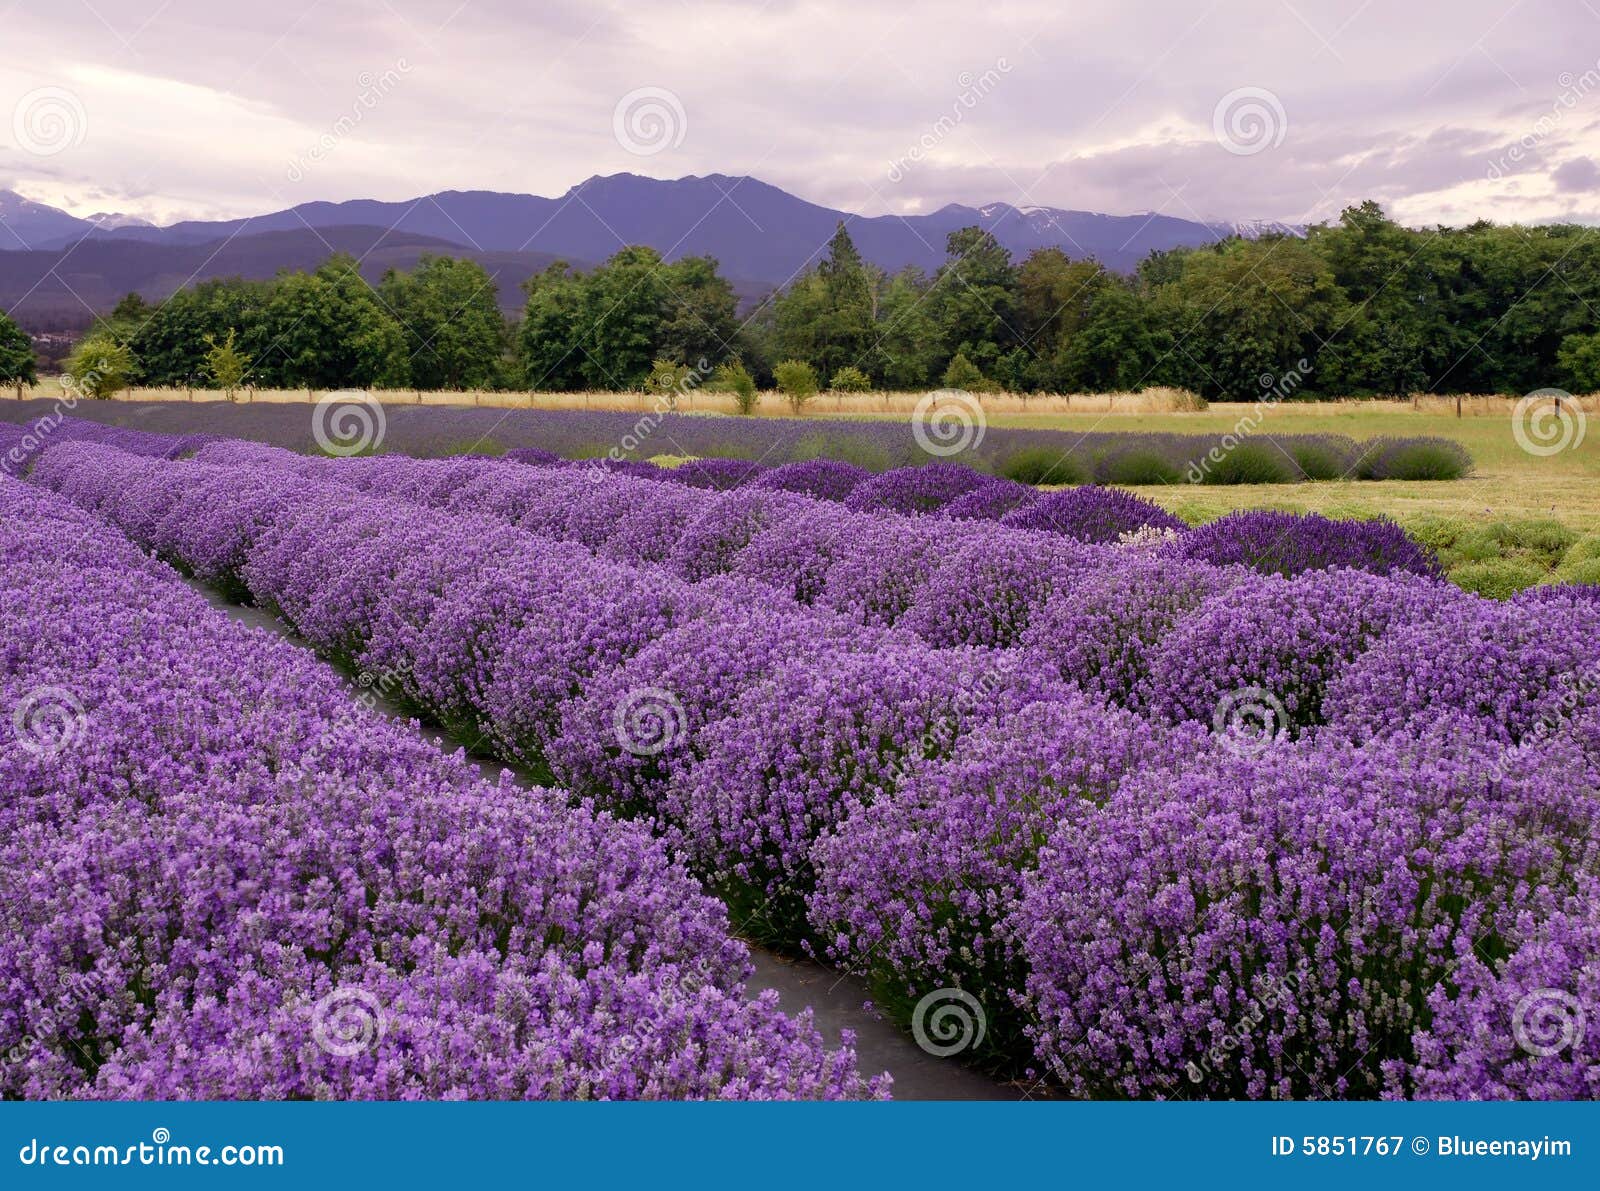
1413 459
710 543
986 592
535 498
90 475
820 736
990 501
1279 643
719 474
608 466
1518 671
533 457
503 649
916 889
1280 926
796 554
218 519
1277 543
1092 514
636 725
631 520
825 479
1102 630
882 564
926 488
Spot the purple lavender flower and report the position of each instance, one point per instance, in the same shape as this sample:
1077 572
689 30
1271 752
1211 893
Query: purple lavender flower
1091 514
912 490
1277 543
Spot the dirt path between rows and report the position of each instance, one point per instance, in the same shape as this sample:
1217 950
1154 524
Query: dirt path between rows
836 1000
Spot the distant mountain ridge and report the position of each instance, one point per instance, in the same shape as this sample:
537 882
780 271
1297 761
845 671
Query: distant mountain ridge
761 236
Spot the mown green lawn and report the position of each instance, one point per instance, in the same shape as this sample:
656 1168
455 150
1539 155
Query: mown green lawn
1518 519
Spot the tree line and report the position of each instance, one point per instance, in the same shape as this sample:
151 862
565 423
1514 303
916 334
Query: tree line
1358 307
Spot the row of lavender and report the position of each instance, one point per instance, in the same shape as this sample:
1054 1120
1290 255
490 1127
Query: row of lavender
1246 454
952 580
1074 834
1266 541
225 877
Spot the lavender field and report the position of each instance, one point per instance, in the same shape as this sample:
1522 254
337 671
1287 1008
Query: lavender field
1094 803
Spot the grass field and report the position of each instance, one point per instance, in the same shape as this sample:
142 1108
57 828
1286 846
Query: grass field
1507 482
1520 518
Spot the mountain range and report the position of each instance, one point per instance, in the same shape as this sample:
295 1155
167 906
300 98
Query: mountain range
55 268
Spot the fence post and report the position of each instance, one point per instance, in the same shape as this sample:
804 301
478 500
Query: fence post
1458 405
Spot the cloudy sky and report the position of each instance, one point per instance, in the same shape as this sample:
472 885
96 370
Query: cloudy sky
1443 110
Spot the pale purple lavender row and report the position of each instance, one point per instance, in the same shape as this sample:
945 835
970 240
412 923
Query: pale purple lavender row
226 877
1270 542
964 816
951 581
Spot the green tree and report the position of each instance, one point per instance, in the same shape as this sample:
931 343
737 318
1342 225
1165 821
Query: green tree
974 298
1579 362
327 330
733 377
668 380
100 366
620 319
226 364
17 364
1118 347
547 341
699 317
1246 312
908 353
171 342
797 381
850 379
1054 297
449 313
962 373
1393 338
127 316
828 315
